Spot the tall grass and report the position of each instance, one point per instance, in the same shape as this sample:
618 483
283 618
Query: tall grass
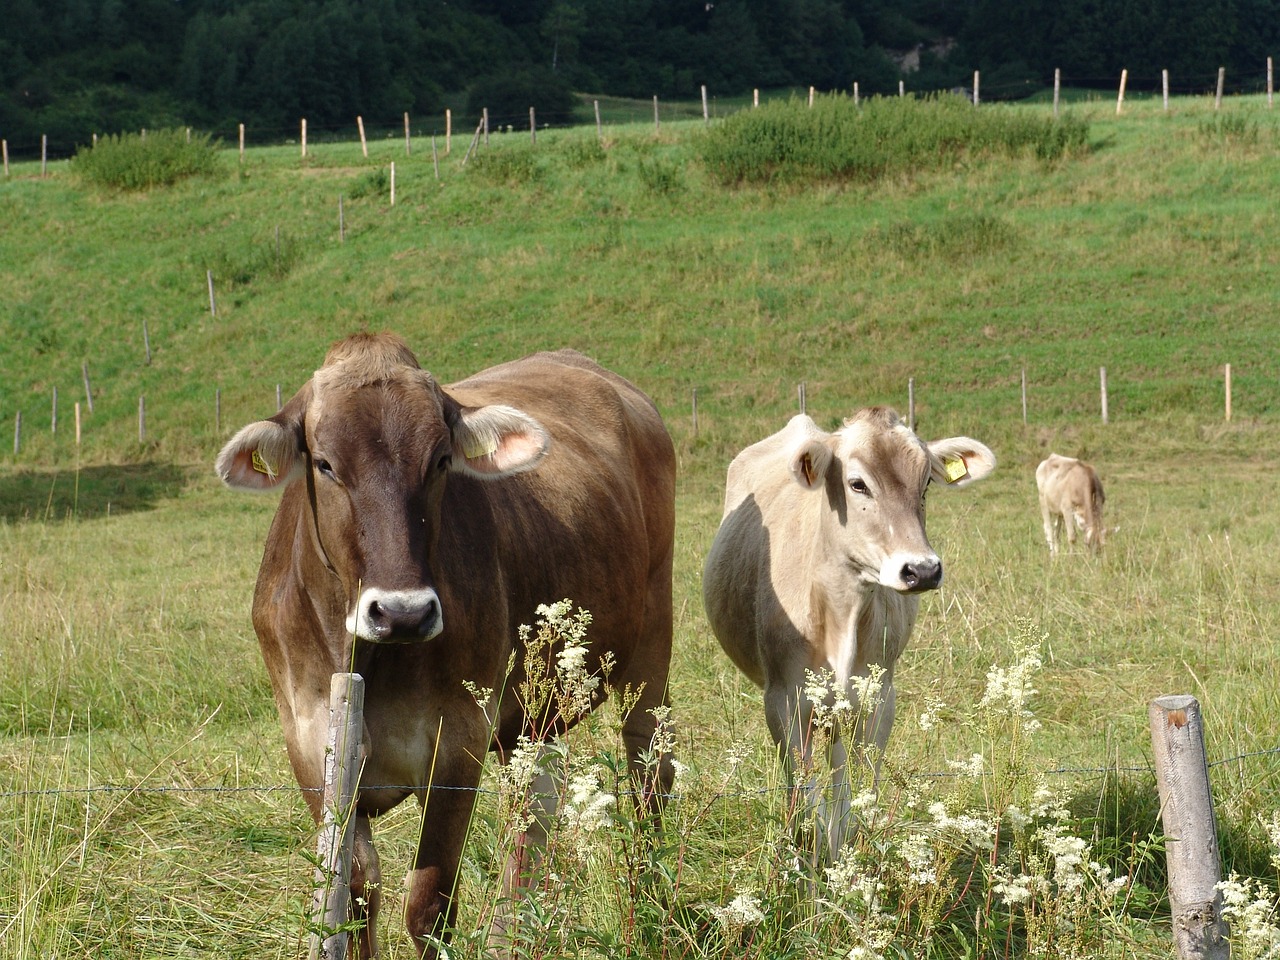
141 161
838 139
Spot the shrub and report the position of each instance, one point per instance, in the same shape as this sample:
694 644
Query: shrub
508 96
836 139
132 161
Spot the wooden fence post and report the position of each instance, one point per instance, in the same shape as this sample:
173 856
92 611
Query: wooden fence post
911 402
533 128
855 93
599 131
77 425
1024 396
655 113
448 131
88 390
408 144
242 143
755 97
213 304
706 116
1228 386
484 124
1191 835
44 155
304 137
975 88
142 418
435 157
146 337
1057 88
802 397
1222 78
810 97
1164 88
364 144
4 148
393 183
1102 374
53 419
342 762
17 433
1124 80
1270 88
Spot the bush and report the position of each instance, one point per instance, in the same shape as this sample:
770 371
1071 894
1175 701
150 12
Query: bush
132 161
836 139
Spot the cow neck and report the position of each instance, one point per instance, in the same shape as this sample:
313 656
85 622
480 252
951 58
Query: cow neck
315 519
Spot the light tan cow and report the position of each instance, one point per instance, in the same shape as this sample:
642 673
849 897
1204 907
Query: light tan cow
817 567
1071 497
419 527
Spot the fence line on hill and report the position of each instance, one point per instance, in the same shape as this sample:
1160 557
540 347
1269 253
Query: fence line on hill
1215 84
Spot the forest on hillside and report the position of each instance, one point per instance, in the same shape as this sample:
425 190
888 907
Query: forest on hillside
71 67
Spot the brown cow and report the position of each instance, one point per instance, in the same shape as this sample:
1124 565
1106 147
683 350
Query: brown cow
1070 497
816 570
419 526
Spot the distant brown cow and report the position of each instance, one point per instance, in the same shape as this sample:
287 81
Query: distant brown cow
1071 497
421 525
816 569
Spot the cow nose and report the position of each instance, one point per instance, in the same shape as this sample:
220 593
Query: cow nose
389 616
924 573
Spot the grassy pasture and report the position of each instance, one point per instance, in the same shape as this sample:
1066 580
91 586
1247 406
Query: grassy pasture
139 750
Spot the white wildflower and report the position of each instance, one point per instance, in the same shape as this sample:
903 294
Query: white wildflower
1009 689
742 911
917 850
1251 910
587 807
663 742
1014 890
974 766
933 707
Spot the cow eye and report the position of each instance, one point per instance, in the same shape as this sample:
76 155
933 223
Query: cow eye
858 485
325 469
445 462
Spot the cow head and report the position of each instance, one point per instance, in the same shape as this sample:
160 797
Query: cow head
874 472
373 437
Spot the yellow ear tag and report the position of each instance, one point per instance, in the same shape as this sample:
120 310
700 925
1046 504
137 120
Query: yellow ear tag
955 469
261 465
480 448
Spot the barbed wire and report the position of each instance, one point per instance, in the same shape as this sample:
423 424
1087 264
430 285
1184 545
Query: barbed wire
116 788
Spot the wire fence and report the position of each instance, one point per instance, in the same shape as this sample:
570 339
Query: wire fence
119 788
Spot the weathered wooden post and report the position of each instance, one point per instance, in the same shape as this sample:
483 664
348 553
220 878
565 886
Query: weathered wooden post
1222 78
1228 390
911 402
1057 88
88 388
342 763
1164 88
1102 375
599 130
655 113
1124 80
1024 396
364 144
1191 835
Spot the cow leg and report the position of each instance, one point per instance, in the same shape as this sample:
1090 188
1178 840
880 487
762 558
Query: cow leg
366 892
430 905
526 854
1050 522
648 754
790 717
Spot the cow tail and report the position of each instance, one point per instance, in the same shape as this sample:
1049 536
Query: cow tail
1096 499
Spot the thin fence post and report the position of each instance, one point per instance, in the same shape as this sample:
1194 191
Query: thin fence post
1270 89
17 433
1124 80
364 144
1024 396
1191 835
800 393
242 143
435 157
44 154
911 402
393 183
1057 88
855 93
448 131
1222 78
599 131
1164 87
4 148
755 97
343 760
146 337
811 98
1228 391
408 143
706 116
142 418
975 88
213 304
484 124
533 128
902 88
304 137
77 424
655 113
88 390
53 418
1102 372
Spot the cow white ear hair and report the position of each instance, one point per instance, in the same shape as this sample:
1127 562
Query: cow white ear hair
261 457
808 463
497 440
960 461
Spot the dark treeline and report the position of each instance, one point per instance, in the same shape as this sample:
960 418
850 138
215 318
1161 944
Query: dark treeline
71 67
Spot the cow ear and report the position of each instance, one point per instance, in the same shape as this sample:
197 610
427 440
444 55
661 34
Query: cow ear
496 441
959 461
809 462
266 455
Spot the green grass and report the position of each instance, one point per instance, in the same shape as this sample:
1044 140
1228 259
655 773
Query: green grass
127 657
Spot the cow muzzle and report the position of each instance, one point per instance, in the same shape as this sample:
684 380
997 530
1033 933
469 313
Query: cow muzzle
911 574
396 616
